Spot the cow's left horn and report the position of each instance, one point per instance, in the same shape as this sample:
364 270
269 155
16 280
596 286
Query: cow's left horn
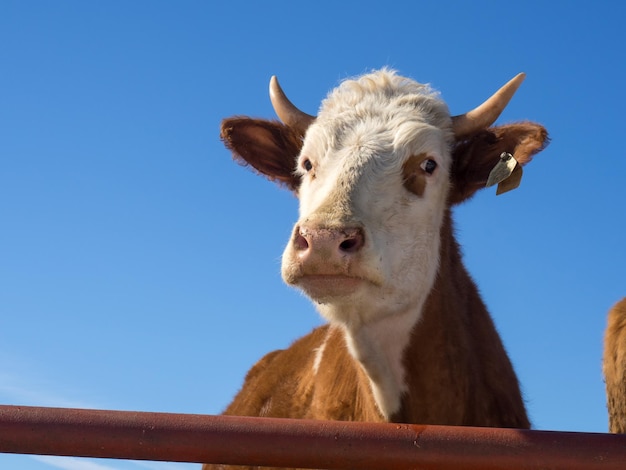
486 114
286 110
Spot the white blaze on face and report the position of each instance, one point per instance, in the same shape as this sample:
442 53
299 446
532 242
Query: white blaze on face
375 176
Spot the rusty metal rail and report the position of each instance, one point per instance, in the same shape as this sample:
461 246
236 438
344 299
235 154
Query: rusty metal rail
298 443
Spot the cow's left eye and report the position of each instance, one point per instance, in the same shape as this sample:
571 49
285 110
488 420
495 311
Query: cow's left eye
429 165
307 165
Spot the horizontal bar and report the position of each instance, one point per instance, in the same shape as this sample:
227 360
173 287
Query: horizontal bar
298 443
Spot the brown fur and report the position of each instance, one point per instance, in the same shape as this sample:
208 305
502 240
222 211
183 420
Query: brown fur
522 140
461 372
270 147
614 367
457 370
413 177
284 384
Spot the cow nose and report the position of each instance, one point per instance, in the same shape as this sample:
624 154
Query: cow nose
330 241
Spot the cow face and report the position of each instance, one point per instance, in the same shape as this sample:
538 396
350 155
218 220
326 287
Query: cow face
374 181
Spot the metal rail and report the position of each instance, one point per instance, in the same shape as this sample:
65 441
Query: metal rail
299 443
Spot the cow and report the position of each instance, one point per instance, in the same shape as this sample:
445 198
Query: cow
614 367
377 173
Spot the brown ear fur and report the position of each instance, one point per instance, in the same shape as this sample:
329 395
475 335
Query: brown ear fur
268 146
475 156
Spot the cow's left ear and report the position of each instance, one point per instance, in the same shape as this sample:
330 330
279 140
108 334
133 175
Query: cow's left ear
476 155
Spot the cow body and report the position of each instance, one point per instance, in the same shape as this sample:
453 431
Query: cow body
457 371
409 338
614 367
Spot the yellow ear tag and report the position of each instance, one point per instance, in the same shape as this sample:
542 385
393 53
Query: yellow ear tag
507 174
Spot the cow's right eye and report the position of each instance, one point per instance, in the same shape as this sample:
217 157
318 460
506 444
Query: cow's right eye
307 165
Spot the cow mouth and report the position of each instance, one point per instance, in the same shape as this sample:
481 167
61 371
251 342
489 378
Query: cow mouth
328 286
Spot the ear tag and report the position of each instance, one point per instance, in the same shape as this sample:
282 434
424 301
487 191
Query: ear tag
503 169
511 182
507 174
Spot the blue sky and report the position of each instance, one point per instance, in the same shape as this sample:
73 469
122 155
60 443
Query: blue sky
139 266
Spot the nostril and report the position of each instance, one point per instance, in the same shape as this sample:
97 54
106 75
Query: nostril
352 243
348 245
300 243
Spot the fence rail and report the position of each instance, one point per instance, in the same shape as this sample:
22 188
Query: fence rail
298 443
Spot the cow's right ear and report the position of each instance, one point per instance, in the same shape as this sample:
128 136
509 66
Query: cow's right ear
270 147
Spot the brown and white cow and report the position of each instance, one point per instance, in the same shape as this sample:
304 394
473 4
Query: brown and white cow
377 172
614 367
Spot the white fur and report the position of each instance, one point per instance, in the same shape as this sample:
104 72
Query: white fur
365 131
319 353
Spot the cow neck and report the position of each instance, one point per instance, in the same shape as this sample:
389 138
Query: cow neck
380 347
457 368
435 356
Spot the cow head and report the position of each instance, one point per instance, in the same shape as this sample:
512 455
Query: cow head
375 173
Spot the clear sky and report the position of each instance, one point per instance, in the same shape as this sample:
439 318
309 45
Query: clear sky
139 266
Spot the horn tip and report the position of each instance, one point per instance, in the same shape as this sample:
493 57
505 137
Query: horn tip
513 84
274 86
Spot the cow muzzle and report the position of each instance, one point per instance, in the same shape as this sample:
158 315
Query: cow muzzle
325 262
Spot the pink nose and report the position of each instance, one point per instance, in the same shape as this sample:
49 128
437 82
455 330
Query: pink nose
330 243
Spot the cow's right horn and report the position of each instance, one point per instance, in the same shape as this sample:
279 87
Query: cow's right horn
286 110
